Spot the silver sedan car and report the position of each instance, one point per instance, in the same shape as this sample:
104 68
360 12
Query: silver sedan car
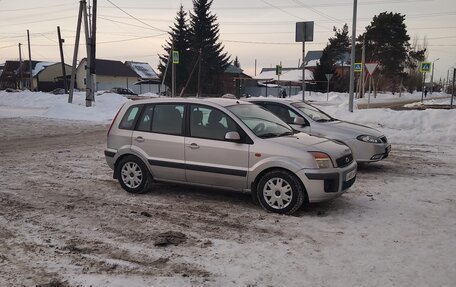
367 144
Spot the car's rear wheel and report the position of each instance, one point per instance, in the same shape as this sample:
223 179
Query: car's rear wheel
280 191
133 175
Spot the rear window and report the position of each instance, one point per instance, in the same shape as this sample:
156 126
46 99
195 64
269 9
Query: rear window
130 117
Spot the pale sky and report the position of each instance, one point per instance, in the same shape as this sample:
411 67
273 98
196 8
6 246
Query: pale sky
250 29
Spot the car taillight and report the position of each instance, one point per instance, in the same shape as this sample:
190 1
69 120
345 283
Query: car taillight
114 119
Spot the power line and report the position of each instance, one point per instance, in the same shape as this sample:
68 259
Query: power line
35 8
140 21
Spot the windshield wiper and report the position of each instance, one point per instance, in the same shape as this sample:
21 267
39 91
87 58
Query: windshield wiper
268 135
275 135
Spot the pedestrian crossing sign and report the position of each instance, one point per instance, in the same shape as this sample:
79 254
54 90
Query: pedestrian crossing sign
425 67
358 67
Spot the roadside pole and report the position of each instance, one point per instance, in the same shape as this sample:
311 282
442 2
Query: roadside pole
424 67
30 61
452 92
303 63
75 55
328 78
352 58
21 83
61 41
304 32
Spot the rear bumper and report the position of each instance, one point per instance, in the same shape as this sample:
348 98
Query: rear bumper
110 156
324 184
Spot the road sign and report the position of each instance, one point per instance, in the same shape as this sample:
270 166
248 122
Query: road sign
175 57
278 69
305 29
329 76
370 67
358 67
425 67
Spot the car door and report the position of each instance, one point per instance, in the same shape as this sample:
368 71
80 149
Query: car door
159 137
209 158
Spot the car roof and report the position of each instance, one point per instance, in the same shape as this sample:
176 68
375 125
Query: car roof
270 99
224 102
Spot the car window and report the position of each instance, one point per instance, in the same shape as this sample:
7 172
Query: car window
210 123
284 113
167 119
261 122
144 123
312 112
129 118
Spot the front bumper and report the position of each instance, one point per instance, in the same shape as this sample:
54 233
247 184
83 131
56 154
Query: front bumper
324 184
369 152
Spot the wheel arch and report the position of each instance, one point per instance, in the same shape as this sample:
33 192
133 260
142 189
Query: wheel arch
130 154
254 184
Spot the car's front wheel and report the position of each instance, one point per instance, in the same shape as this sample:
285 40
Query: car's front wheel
133 175
280 191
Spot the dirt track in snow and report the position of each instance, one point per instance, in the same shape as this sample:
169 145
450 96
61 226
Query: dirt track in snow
64 220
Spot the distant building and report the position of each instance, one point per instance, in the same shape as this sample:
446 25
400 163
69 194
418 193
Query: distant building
235 81
10 76
46 75
148 82
109 74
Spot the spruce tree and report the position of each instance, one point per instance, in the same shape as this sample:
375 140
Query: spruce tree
333 55
387 43
179 38
204 35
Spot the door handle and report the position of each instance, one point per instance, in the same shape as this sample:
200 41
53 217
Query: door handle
139 139
193 146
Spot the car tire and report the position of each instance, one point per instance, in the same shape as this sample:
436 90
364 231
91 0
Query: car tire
133 175
280 191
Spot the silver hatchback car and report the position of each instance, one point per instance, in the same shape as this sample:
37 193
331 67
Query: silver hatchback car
367 144
229 144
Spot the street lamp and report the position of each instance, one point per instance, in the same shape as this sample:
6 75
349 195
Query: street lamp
432 74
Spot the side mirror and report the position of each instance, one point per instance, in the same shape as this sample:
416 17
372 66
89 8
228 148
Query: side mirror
232 136
299 121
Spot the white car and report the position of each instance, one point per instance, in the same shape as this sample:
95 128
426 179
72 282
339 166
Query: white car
367 144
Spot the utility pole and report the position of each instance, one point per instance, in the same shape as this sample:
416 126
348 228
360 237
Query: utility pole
76 47
173 76
255 66
89 91
363 71
30 60
93 51
21 84
61 41
432 74
199 73
452 89
352 58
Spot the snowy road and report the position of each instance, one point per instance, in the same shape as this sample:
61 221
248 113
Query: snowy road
63 219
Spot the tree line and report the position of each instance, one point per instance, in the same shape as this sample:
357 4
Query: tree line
387 43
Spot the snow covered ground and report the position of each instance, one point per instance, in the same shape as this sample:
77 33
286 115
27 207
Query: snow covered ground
63 219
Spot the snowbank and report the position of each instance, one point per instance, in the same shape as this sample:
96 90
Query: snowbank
415 126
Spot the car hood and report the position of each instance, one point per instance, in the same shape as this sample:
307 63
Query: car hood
347 128
303 141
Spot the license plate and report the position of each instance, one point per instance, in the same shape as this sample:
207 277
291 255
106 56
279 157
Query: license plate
388 149
350 175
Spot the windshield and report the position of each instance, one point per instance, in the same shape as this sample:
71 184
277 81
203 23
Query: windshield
312 112
260 121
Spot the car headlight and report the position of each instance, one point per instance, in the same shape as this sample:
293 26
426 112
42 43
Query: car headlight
323 160
369 139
